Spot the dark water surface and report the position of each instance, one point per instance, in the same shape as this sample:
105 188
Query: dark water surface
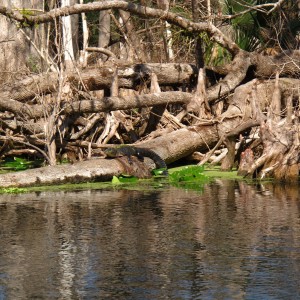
233 241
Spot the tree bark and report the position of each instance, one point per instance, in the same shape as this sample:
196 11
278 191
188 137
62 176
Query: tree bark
98 105
130 76
67 38
19 45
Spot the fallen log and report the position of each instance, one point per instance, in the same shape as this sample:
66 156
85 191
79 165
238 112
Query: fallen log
96 78
97 105
170 147
85 171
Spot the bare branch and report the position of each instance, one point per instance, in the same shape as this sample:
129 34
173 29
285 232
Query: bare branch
260 8
101 50
236 74
147 12
21 141
276 5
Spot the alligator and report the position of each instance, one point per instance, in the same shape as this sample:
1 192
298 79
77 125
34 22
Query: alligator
140 153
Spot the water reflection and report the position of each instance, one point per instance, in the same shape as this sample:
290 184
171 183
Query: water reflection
234 241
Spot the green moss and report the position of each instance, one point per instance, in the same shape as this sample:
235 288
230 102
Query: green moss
27 12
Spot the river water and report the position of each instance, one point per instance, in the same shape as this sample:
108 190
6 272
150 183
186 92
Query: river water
230 241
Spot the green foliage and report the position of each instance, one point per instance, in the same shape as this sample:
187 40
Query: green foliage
159 172
246 26
189 177
124 179
188 173
12 190
214 54
16 164
258 29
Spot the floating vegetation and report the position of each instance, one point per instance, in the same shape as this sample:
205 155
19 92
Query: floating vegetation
189 177
18 164
124 179
188 173
13 190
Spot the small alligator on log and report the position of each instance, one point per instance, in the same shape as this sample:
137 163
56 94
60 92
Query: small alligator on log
140 153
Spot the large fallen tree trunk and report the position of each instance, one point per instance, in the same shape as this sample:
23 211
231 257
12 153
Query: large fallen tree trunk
170 147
